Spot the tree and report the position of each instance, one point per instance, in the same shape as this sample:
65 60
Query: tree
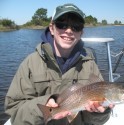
90 20
117 22
39 16
8 23
0 22
104 22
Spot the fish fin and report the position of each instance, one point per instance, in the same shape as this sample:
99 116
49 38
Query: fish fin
71 117
46 112
106 102
94 78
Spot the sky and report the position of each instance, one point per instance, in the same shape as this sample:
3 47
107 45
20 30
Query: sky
21 11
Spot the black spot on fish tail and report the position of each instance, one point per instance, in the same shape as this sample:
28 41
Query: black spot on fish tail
46 113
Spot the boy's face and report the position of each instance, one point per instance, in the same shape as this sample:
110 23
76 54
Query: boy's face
67 31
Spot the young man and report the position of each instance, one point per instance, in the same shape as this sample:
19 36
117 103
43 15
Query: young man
58 62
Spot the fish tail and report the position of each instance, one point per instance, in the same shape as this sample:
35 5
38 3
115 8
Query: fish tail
46 112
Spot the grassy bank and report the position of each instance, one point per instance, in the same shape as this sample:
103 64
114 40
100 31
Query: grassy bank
2 28
32 27
7 28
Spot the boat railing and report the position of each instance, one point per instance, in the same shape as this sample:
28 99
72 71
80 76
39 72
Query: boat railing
120 54
112 75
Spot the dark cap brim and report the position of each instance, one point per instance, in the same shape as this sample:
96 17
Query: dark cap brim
68 11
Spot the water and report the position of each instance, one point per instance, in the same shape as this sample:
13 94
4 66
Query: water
116 32
16 45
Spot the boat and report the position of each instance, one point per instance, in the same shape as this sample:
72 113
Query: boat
116 115
8 122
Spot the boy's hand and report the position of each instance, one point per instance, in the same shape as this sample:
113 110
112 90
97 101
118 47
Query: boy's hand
51 103
95 106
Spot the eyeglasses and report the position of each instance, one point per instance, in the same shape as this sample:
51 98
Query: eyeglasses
77 27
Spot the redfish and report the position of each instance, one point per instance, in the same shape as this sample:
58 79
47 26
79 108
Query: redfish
76 97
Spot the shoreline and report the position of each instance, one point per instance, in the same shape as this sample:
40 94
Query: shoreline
7 29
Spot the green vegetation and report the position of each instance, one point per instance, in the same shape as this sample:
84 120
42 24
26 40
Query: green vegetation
6 25
117 22
40 20
89 20
104 22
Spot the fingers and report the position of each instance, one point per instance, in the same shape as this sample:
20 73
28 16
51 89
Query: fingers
111 106
94 106
99 107
62 114
51 103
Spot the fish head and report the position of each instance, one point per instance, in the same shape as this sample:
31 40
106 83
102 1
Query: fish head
118 95
114 93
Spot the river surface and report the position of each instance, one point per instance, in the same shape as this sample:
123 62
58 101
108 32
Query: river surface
16 45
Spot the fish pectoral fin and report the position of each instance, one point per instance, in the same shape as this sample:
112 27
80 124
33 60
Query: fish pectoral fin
94 78
106 102
71 117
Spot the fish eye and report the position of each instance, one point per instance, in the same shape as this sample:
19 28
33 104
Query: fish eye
50 109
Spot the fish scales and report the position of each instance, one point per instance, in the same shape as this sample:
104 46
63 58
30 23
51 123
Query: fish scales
77 96
94 92
81 96
67 92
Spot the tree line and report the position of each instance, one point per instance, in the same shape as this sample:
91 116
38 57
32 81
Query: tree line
8 24
40 18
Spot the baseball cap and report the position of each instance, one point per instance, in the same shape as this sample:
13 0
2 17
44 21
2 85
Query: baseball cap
67 8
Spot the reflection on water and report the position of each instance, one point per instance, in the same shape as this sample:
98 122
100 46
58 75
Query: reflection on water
16 45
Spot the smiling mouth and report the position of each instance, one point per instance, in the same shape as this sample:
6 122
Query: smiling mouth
67 38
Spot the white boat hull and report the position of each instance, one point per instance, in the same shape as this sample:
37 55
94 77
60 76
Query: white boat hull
116 118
